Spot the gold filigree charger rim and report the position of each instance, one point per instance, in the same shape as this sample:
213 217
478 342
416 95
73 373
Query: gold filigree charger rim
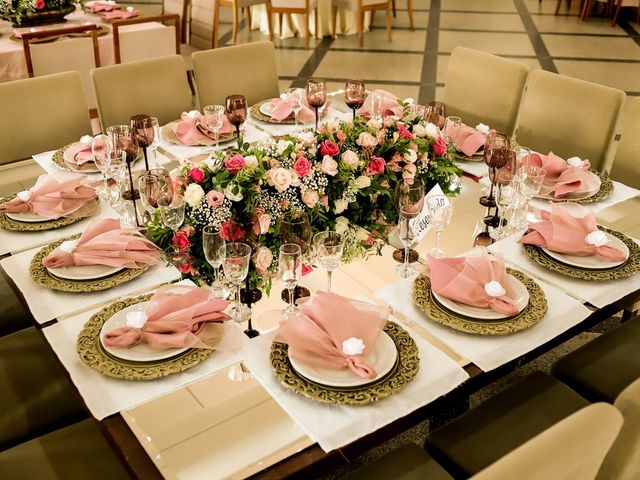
9 224
605 191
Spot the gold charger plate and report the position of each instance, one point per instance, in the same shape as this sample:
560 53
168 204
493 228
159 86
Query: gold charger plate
628 268
7 223
407 367
606 189
168 134
58 159
92 353
257 114
42 277
527 318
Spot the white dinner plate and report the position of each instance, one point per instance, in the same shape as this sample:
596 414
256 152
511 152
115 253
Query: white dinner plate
383 358
87 272
592 262
89 167
521 300
141 352
266 108
579 195
34 217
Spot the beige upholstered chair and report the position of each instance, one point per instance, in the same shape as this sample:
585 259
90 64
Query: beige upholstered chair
156 41
181 8
626 163
303 7
573 448
481 87
360 7
249 69
157 86
236 6
569 117
61 118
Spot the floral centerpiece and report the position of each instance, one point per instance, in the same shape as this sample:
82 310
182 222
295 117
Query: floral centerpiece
343 177
36 12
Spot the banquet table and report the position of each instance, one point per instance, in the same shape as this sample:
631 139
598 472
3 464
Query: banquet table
213 422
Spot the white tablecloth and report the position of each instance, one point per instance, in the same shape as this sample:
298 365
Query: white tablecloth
489 352
334 426
621 192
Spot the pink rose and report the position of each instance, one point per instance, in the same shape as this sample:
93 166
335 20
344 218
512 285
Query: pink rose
263 259
39 4
329 148
439 147
325 200
310 198
196 174
375 166
306 269
404 132
409 173
350 158
181 240
329 165
264 221
235 163
280 178
302 166
215 198
186 267
366 140
341 136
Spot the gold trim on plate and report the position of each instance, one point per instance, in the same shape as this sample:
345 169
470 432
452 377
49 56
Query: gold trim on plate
606 189
15 226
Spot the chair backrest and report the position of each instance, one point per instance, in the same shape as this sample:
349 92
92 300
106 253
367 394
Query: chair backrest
67 54
481 87
201 23
573 448
626 163
157 86
180 7
249 69
568 116
41 114
148 39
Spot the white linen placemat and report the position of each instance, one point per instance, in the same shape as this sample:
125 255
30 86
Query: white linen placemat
599 294
14 242
489 352
334 426
48 304
104 395
621 192
478 169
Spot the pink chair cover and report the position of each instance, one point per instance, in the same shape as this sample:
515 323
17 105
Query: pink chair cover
119 14
78 154
316 334
105 243
193 130
467 140
282 109
100 6
463 280
177 316
561 178
564 230
390 105
56 195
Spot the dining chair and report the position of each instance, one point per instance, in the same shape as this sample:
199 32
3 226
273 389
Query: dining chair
79 53
624 3
559 4
626 163
249 69
53 105
236 6
181 8
303 7
585 8
409 11
156 86
569 117
481 87
155 41
360 7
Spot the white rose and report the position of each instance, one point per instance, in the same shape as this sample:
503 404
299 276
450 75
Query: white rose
263 259
419 130
233 192
482 128
86 139
280 178
24 195
597 238
411 156
341 206
310 198
193 113
432 131
366 140
136 319
250 160
350 158
575 162
306 136
329 165
353 346
361 234
193 194
342 223
363 181
69 246
281 146
375 123
494 289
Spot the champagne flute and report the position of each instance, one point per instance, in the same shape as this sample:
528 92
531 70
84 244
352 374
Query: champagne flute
413 195
142 128
214 118
295 228
156 139
452 124
212 242
235 263
354 95
440 213
236 109
377 104
290 270
123 139
316 95
505 197
329 246
100 148
172 214
116 170
295 98
407 236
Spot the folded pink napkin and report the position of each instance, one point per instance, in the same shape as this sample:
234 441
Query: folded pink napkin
334 332
564 176
193 130
101 6
55 195
78 154
282 109
477 279
572 229
467 140
104 242
119 14
175 317
390 105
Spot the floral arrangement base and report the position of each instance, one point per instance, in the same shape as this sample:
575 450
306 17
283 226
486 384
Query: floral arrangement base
44 17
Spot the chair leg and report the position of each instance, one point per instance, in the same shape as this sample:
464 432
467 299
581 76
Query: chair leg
372 18
393 5
216 22
586 10
615 17
316 24
269 19
558 4
388 23
236 20
360 27
190 80
410 10
280 23
307 30
334 18
248 14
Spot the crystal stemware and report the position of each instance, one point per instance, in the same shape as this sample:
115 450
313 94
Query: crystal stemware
116 170
100 148
172 214
236 110
452 124
495 148
316 95
153 185
295 228
440 213
435 113
290 270
144 132
214 118
235 264
329 246
413 195
295 98
354 92
212 243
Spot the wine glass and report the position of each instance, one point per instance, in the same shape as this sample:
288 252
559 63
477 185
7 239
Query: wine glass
377 106
452 124
172 214
235 263
295 228
504 198
214 118
329 246
142 128
316 95
413 195
100 148
494 156
407 236
123 140
212 243
435 113
295 98
532 179
440 212
290 270
116 170
152 186
236 109
354 95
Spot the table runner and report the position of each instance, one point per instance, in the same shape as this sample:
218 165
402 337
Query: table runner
334 426
489 352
